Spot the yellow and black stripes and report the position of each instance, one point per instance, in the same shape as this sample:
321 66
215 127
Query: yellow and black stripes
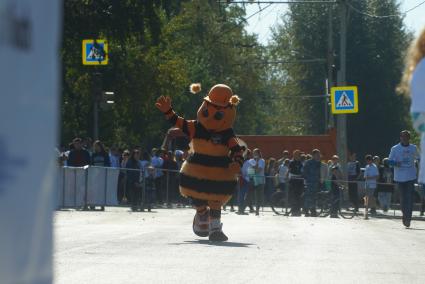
206 174
216 187
209 161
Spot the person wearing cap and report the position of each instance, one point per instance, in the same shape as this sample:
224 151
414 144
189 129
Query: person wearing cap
209 175
403 158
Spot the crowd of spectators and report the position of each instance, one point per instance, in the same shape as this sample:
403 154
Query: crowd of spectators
152 176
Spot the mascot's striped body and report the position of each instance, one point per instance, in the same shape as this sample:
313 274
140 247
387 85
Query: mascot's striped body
209 175
205 174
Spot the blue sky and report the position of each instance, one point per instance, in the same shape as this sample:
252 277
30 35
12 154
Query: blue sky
261 23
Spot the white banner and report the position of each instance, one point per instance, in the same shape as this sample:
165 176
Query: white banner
29 104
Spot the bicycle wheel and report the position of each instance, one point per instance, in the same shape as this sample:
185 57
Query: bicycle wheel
347 214
323 204
278 203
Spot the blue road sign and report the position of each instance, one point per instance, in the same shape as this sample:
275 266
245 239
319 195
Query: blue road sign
344 100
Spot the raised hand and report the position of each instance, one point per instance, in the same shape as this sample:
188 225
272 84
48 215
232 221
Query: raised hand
163 103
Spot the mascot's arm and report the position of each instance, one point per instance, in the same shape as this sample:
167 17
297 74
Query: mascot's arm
187 126
236 153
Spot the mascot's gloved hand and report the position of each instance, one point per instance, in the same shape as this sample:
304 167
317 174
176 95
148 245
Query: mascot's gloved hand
164 104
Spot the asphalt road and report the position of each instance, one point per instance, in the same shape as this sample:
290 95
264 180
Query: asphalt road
117 246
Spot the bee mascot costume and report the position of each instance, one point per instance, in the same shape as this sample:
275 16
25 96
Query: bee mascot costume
209 175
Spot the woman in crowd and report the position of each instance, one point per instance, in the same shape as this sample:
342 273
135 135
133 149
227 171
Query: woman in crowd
133 179
100 157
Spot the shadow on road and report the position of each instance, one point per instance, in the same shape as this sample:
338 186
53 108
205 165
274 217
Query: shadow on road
217 244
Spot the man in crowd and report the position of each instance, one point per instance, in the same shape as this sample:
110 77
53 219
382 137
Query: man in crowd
311 175
403 157
353 172
78 157
296 183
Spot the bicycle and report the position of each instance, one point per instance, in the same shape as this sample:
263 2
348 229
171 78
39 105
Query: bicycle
278 202
325 203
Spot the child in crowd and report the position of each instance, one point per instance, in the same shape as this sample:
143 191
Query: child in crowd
371 175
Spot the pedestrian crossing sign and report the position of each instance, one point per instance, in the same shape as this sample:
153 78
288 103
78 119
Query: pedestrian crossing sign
95 52
344 100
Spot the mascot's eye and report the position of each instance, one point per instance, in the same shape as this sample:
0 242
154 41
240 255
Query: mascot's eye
219 115
205 112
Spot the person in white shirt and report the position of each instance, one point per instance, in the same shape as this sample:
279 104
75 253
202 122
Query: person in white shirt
258 164
403 158
371 175
244 183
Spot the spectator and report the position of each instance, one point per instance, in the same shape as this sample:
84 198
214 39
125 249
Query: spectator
244 183
258 164
171 167
133 179
296 183
285 156
87 145
149 188
372 201
371 175
122 179
335 191
179 156
114 157
157 162
385 186
100 158
402 158
311 175
78 157
353 172
283 175
270 173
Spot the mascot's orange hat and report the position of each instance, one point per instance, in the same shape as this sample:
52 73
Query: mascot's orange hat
220 95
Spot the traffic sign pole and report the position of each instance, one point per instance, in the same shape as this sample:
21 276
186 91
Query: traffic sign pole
342 118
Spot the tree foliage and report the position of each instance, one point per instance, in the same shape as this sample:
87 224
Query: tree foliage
374 63
156 48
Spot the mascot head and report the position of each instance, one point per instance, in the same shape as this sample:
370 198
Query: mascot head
218 111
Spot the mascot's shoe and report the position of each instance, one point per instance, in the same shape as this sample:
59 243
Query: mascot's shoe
216 233
201 224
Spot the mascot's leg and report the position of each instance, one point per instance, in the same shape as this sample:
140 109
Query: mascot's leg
215 227
201 220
